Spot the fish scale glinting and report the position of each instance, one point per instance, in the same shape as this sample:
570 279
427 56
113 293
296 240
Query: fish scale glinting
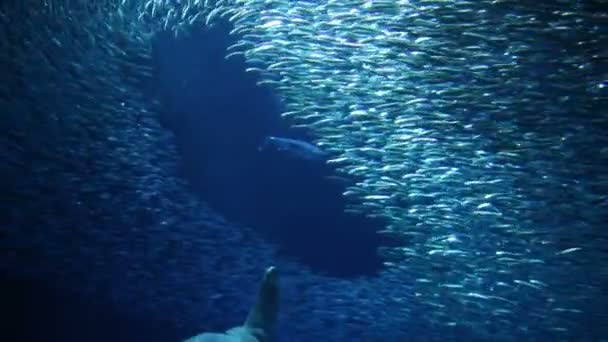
474 129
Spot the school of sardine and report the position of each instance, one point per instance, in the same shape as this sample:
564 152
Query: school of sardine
474 128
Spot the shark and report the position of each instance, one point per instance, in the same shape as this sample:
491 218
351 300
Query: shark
261 320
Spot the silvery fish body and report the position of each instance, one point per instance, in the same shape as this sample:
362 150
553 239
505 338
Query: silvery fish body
296 148
474 128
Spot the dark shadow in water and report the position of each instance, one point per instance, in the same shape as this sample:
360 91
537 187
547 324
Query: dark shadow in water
220 117
40 312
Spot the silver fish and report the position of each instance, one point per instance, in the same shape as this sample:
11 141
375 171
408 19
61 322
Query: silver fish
295 148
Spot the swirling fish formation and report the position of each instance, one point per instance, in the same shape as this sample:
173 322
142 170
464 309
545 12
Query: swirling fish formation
473 127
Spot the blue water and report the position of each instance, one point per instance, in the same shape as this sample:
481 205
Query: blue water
219 118
106 265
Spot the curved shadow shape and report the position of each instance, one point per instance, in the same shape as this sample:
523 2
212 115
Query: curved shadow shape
220 116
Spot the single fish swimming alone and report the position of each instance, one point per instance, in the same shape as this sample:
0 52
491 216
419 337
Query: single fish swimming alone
296 148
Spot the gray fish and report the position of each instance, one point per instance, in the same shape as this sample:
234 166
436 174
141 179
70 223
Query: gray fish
296 148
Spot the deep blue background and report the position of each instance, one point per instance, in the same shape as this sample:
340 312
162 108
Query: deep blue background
219 117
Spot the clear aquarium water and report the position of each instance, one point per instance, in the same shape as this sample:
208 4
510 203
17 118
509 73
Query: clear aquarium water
416 170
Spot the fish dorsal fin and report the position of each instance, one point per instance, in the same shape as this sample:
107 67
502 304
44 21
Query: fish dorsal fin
263 315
